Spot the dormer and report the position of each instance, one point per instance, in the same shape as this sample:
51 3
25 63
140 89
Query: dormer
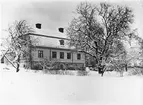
38 25
61 30
62 43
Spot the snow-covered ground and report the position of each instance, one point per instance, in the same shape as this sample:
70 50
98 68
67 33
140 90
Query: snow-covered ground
29 88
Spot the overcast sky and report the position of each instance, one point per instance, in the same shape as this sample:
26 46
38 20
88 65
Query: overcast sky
57 14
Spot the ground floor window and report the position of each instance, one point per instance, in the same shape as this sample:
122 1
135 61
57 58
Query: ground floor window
61 55
40 53
68 55
78 56
54 54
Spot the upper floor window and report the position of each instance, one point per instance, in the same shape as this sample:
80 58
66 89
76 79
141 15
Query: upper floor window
61 55
61 42
78 56
68 55
40 54
54 54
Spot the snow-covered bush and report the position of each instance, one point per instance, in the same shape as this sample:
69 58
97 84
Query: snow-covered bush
82 73
66 72
51 71
58 72
136 71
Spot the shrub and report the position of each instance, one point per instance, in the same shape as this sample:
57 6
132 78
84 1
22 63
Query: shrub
82 73
70 68
66 72
136 71
37 67
58 72
50 71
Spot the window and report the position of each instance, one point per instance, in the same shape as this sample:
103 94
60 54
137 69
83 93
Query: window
61 42
38 25
68 55
61 55
61 30
54 54
40 54
78 56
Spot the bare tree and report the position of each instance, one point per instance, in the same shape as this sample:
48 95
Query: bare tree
19 42
98 29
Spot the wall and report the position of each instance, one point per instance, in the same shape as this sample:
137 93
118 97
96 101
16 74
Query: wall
46 53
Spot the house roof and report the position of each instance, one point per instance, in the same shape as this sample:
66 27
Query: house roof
50 40
47 36
56 33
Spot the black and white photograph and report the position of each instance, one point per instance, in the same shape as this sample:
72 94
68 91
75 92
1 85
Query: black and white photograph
64 52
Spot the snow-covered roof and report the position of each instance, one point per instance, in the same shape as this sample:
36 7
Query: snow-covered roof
48 41
50 33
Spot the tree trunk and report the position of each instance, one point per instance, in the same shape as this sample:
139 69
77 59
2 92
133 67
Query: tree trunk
18 64
10 62
126 67
101 69
17 68
30 56
121 74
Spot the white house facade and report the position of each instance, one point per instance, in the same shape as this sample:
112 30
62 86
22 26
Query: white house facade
54 48
65 58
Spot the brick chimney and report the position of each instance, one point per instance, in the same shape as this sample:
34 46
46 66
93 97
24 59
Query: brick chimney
38 25
61 30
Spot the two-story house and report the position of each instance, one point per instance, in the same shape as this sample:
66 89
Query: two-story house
55 49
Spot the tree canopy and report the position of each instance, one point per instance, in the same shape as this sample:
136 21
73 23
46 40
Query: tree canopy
99 30
19 42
